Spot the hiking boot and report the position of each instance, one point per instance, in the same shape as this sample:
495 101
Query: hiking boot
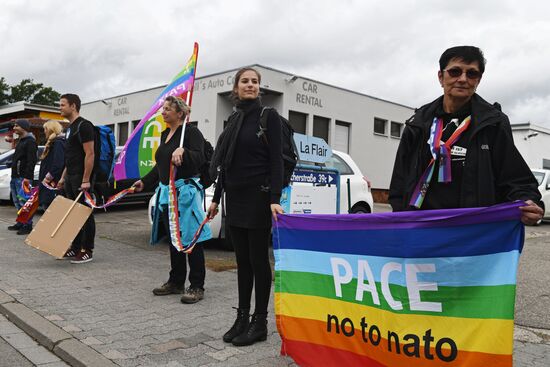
256 331
25 229
82 257
70 254
192 295
168 288
15 227
239 326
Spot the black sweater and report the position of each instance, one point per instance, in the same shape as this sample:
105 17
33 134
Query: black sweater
193 156
255 162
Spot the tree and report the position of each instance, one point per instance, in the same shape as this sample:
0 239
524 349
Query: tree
4 89
29 91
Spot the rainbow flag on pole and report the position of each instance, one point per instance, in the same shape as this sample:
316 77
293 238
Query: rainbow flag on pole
138 155
421 288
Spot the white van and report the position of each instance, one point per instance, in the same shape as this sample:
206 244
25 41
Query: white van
543 178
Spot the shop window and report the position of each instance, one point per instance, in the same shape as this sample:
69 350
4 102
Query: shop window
380 126
395 129
122 133
320 127
298 121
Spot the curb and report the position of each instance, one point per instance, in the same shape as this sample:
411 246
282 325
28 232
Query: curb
51 336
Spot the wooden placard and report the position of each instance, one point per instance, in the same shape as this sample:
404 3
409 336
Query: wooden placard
58 227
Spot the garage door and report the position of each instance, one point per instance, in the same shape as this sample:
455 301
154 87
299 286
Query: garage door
341 137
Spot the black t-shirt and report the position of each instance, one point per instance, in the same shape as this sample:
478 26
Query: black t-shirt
442 195
79 132
193 156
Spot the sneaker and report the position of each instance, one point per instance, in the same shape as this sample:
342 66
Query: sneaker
82 257
25 229
192 295
70 254
168 288
15 227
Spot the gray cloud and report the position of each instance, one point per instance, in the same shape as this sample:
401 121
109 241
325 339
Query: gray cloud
385 49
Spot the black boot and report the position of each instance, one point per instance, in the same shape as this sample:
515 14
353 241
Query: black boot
256 331
239 326
15 227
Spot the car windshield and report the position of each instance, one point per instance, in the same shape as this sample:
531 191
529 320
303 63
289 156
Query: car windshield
539 176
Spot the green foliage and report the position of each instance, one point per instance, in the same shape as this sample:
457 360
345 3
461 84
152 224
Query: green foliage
29 91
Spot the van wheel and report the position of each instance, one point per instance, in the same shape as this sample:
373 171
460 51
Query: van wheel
360 209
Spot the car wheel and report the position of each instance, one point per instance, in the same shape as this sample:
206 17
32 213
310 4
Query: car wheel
360 209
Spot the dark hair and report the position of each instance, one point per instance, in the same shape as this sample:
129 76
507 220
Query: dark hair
468 54
234 94
180 104
72 99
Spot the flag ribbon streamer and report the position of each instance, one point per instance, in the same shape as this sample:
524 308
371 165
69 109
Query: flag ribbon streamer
441 151
174 220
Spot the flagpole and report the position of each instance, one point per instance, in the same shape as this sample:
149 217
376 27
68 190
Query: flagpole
189 97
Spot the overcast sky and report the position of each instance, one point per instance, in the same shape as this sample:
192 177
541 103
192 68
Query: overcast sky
387 49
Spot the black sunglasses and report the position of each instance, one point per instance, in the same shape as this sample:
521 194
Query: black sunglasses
457 72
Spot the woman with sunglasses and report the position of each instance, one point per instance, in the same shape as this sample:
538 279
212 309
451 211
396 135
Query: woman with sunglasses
458 152
187 160
252 176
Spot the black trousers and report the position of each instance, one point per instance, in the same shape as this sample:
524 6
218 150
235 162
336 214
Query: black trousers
252 252
178 261
86 237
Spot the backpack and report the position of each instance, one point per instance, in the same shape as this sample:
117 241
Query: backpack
104 153
206 180
290 156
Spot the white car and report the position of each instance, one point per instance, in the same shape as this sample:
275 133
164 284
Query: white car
543 178
361 196
5 172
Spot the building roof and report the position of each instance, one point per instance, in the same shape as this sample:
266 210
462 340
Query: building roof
22 106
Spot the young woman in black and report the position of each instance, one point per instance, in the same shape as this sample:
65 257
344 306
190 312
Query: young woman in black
251 174
188 160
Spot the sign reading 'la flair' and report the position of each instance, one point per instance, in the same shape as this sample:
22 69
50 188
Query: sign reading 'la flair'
312 149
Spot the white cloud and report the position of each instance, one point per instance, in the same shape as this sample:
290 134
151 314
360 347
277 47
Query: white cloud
386 49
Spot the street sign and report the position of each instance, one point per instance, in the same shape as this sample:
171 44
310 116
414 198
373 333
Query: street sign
313 177
312 149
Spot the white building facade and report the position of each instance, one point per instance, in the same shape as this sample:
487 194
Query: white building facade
367 128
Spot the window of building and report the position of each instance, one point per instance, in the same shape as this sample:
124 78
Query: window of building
380 126
395 129
112 127
320 127
194 123
122 133
135 124
298 121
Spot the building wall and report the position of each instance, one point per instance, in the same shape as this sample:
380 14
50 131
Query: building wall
533 142
373 153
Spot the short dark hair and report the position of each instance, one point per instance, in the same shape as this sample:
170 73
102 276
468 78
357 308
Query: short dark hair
234 94
72 99
468 54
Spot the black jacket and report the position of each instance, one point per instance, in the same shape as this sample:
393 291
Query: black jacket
494 170
24 158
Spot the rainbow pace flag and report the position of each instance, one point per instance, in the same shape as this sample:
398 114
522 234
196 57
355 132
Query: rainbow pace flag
422 288
138 156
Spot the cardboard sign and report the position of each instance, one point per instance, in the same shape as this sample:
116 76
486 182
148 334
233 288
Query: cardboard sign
58 227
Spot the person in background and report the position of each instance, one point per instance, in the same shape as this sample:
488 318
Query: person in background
22 169
485 166
251 173
188 160
52 161
77 175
